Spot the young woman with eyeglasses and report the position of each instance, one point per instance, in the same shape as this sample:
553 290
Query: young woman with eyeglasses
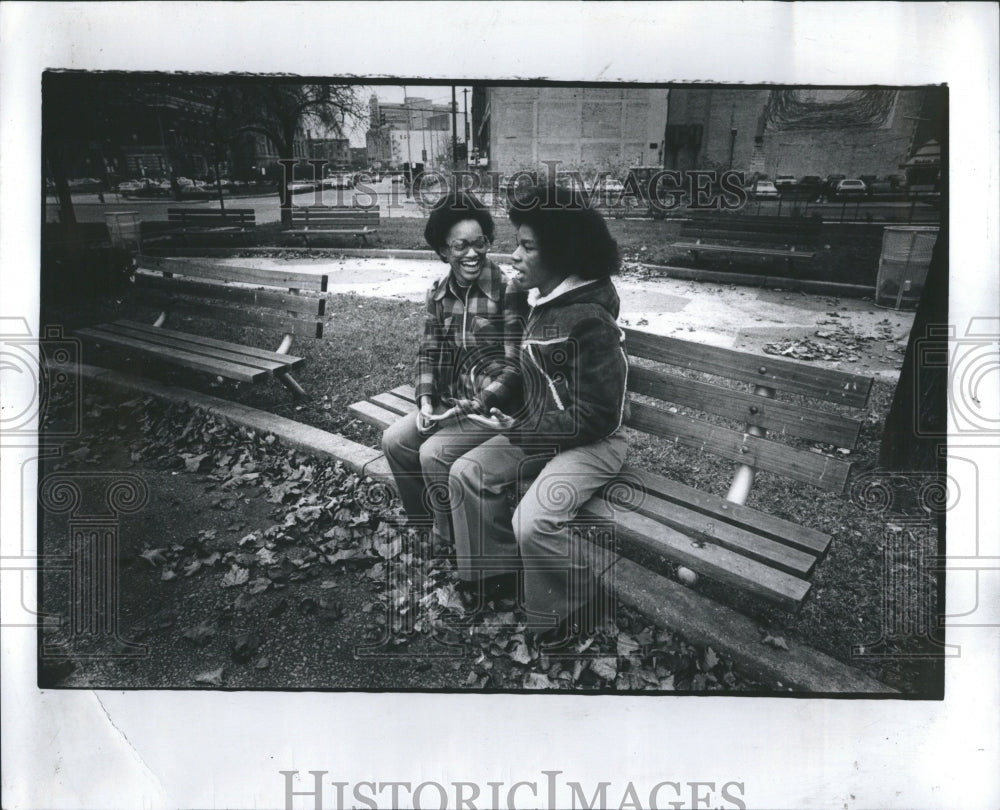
568 431
466 363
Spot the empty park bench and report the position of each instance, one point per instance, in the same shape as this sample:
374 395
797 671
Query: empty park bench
768 237
231 221
737 416
317 220
290 303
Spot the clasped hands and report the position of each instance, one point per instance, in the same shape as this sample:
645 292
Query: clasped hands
471 409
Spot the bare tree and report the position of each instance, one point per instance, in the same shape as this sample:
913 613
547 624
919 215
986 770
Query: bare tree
281 109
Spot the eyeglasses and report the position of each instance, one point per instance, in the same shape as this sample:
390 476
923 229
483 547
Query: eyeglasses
460 246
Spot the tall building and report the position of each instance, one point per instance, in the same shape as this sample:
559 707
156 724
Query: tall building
415 131
588 128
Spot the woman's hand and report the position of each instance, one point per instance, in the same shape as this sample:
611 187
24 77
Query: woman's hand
497 420
425 418
461 406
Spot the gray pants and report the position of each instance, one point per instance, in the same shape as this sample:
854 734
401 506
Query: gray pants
420 465
537 538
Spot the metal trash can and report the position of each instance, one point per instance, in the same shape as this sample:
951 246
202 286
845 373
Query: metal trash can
123 228
903 265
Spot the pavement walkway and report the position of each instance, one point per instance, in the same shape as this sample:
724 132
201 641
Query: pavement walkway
728 315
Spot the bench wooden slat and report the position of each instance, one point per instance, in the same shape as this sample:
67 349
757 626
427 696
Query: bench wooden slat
800 465
407 392
755 251
361 220
331 231
717 508
393 403
749 232
302 304
697 525
242 216
783 531
205 268
784 375
758 222
316 212
742 406
334 221
373 414
286 324
713 561
223 349
198 362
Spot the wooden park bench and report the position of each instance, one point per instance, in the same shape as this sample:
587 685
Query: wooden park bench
762 236
290 303
737 416
321 220
231 221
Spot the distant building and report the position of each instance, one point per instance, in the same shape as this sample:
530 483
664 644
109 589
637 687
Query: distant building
770 131
359 157
415 131
589 128
336 151
800 131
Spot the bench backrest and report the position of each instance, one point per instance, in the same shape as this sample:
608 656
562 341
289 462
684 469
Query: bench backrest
195 216
788 230
799 404
283 300
320 217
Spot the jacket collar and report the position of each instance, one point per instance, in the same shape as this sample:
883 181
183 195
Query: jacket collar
568 284
490 282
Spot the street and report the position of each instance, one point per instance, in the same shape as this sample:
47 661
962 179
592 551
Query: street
393 202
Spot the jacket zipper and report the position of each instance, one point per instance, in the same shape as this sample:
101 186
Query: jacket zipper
465 315
548 379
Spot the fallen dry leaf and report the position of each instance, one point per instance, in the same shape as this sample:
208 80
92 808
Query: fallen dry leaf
211 678
235 576
537 680
775 641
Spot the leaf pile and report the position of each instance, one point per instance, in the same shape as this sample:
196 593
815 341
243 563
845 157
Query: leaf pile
327 521
839 341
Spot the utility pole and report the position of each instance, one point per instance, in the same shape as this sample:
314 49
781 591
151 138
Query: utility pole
454 130
465 103
409 156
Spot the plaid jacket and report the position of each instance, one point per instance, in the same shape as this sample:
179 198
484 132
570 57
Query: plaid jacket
470 343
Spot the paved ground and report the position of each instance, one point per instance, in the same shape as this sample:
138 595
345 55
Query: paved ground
721 315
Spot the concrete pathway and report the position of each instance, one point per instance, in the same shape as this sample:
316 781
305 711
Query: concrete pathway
726 315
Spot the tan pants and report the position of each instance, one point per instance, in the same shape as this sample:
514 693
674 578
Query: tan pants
537 538
420 465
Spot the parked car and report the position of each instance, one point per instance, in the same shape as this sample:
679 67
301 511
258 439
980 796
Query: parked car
892 185
612 185
130 187
868 179
763 190
850 189
830 188
810 187
522 180
339 180
784 182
